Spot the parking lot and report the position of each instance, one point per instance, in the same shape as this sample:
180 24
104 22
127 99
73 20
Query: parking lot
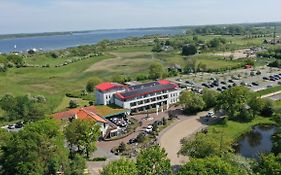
255 79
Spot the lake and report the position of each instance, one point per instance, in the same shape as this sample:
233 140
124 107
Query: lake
256 141
76 39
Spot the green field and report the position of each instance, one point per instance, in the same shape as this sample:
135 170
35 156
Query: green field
129 60
233 130
52 82
269 90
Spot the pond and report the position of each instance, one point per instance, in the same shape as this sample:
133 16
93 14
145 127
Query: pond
257 141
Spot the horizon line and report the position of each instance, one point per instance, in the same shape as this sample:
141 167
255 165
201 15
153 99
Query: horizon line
137 28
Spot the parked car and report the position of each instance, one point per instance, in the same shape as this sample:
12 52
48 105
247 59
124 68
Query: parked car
219 89
279 82
19 125
265 78
224 88
223 82
179 80
255 83
189 82
11 126
148 129
210 114
132 141
216 83
230 81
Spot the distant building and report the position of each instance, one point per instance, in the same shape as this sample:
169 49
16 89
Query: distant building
159 94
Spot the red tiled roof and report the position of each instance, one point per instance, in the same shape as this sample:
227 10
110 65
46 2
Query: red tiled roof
86 113
107 86
164 82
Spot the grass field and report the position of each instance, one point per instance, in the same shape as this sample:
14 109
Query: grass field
269 90
53 83
233 130
130 60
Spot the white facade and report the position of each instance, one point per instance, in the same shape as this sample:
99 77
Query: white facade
106 97
149 101
141 97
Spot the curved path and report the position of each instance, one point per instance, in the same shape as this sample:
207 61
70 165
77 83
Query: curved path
170 138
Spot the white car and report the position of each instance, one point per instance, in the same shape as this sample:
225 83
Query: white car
148 129
210 114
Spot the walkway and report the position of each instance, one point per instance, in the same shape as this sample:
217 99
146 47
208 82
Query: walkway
170 138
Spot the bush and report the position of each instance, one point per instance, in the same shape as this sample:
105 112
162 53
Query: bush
97 159
73 104
140 138
188 50
267 109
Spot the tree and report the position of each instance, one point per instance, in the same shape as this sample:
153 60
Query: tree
77 165
83 135
157 46
211 166
210 97
23 107
267 108
16 59
140 138
191 102
153 161
268 164
156 71
188 50
4 138
37 149
234 101
92 83
122 166
73 104
203 146
256 104
276 143
191 66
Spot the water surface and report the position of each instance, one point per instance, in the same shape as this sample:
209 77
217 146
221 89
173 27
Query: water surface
256 141
76 39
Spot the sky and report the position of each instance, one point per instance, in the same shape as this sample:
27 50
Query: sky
32 16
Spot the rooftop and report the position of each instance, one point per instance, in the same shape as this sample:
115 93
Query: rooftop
108 86
85 113
109 110
146 88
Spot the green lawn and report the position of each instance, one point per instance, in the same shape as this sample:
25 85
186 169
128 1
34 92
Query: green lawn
51 82
233 130
269 90
63 106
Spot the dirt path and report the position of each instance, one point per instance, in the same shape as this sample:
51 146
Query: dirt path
170 138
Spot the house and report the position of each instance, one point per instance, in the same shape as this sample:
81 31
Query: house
137 98
100 114
85 113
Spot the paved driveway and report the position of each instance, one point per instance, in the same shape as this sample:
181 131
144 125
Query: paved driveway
170 138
